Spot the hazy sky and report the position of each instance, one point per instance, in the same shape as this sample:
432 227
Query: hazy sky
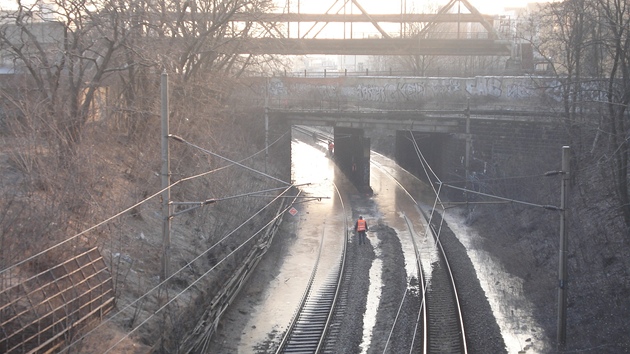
488 7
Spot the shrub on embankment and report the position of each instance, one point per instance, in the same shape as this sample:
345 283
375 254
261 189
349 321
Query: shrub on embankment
49 194
525 239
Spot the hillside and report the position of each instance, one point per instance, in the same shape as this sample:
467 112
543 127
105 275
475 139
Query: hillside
526 241
112 180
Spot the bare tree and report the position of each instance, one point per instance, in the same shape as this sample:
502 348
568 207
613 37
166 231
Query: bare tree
66 52
564 39
587 43
188 35
616 17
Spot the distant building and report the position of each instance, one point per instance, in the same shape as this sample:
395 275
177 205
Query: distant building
48 38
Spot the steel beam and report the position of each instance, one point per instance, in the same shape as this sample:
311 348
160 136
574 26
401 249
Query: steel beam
367 46
358 18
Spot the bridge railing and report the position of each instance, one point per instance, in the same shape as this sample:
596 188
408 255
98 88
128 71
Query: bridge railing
437 72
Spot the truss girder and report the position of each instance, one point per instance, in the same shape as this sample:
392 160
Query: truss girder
369 46
358 18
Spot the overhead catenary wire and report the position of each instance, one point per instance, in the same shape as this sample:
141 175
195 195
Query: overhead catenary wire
426 165
240 161
158 286
194 282
81 233
437 233
437 201
427 168
196 205
19 263
439 182
181 140
549 207
499 179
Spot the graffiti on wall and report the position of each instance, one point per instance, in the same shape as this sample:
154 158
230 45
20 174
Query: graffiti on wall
392 90
406 91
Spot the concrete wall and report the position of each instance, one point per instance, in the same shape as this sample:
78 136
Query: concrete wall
419 92
496 148
431 145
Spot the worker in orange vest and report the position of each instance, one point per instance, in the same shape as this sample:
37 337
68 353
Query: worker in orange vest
331 148
360 227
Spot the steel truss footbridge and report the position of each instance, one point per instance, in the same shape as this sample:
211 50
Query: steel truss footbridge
457 29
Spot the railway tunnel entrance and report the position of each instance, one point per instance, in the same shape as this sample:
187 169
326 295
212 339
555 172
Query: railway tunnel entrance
415 150
412 151
352 154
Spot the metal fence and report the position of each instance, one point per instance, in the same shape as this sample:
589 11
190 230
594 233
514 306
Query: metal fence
40 312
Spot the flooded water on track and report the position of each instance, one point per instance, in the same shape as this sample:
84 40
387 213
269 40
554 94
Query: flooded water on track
505 295
321 219
504 291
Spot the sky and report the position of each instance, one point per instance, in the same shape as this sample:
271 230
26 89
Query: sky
487 7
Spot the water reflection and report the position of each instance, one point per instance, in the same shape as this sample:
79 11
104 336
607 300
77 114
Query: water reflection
402 213
271 305
310 165
373 297
505 294
504 291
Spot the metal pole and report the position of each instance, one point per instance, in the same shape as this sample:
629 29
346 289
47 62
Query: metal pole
266 125
352 30
468 145
459 11
401 20
288 23
166 182
345 30
562 269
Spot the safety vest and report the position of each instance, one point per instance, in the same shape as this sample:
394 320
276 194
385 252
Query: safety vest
361 225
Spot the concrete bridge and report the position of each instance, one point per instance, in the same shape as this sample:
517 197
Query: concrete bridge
460 124
383 92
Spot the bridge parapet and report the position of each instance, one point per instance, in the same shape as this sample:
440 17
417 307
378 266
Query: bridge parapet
421 93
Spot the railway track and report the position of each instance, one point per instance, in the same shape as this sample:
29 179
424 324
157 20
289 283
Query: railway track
312 321
440 322
308 331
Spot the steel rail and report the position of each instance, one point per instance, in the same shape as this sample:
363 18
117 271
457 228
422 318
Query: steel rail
453 287
303 301
317 310
420 273
339 275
